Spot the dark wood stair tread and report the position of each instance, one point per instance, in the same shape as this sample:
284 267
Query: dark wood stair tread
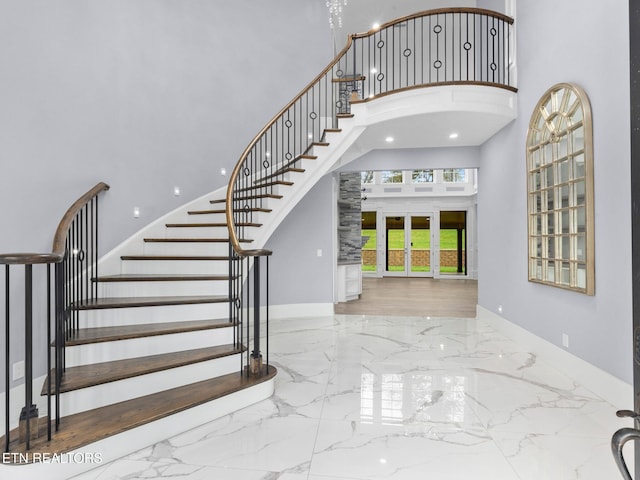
209 225
257 196
209 212
153 277
192 240
261 184
280 171
175 257
206 212
85 336
128 302
84 428
84 376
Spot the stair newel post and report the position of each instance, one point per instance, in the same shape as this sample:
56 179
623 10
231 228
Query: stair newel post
247 303
28 347
6 360
48 350
255 362
256 358
59 335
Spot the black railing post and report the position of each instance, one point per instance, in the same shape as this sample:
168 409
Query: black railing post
6 360
48 350
256 357
59 334
267 314
28 331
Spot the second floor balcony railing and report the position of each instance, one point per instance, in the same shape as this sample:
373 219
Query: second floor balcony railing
431 48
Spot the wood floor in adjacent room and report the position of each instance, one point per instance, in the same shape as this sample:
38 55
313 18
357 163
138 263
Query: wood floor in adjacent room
414 297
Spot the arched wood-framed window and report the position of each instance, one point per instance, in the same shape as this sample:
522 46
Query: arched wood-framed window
560 190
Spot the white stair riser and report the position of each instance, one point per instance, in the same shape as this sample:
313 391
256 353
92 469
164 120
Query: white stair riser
267 203
140 347
162 289
112 317
212 267
197 232
186 248
101 395
271 190
253 217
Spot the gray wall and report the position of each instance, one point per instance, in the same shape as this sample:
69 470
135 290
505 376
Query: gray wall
596 57
144 95
495 5
306 278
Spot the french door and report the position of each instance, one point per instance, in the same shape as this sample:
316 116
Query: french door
407 242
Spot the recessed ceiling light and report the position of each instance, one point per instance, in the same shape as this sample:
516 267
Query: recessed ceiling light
389 139
453 136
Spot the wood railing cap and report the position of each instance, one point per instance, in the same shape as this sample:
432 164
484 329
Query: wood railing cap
28 258
60 237
261 252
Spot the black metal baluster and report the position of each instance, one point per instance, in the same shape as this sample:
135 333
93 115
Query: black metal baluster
7 359
248 303
28 347
48 350
59 338
267 315
84 253
255 355
508 63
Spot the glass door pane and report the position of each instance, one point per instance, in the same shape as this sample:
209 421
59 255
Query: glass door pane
395 244
453 242
369 242
420 244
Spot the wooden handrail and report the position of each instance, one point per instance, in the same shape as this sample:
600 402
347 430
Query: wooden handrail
60 237
436 11
233 235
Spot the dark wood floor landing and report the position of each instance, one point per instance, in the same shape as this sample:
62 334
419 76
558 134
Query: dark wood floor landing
414 297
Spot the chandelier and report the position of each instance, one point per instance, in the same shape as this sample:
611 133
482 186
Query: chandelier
335 12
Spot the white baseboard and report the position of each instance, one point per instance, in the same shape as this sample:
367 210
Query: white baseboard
300 310
603 384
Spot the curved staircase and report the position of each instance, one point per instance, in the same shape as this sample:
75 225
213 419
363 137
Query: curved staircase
159 349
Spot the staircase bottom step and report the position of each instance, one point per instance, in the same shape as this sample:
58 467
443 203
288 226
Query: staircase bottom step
81 429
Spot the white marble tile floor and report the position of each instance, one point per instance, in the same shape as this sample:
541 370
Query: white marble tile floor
393 398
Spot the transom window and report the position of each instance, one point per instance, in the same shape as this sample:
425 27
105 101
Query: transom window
560 190
422 176
391 176
366 177
454 175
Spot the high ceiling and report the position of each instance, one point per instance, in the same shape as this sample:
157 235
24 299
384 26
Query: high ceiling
358 16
